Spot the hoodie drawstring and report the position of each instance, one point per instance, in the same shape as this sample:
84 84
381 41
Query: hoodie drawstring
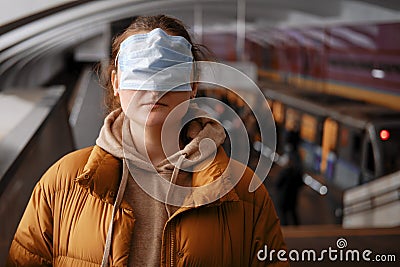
118 200
174 177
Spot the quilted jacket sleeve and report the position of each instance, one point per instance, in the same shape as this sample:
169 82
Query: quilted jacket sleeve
268 246
32 243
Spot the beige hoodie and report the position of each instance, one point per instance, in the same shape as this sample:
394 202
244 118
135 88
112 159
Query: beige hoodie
151 214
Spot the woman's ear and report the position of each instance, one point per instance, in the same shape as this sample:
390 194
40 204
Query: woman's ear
115 82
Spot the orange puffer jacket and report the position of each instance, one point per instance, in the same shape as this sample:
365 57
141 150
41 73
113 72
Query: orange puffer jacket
67 218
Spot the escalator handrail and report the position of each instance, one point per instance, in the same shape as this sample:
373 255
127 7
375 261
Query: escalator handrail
99 12
39 15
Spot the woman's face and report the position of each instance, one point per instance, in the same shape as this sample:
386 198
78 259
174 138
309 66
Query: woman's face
151 108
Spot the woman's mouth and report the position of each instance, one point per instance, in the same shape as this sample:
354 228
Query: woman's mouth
154 104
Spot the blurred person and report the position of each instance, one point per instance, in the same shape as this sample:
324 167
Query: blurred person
292 138
289 182
108 205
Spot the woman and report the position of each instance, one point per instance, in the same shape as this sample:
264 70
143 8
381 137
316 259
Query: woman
106 205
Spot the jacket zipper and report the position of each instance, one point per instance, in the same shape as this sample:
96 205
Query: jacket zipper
172 239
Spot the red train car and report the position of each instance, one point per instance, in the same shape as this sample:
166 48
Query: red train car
355 61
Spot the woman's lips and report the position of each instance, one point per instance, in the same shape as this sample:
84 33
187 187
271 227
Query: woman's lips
154 104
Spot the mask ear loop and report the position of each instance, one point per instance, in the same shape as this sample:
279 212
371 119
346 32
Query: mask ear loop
194 78
115 63
116 58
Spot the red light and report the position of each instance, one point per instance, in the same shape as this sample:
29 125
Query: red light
384 134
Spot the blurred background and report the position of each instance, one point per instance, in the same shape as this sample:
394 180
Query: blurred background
329 71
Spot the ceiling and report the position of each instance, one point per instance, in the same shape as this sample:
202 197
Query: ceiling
25 46
222 15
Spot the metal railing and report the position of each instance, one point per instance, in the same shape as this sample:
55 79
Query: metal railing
375 204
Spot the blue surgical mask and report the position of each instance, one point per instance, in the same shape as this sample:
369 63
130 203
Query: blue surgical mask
155 61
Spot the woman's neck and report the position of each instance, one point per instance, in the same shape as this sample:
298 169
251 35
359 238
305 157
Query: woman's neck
156 142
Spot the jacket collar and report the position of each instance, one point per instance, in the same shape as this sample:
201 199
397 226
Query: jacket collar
102 174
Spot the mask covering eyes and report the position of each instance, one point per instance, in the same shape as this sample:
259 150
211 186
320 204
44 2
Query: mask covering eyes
155 61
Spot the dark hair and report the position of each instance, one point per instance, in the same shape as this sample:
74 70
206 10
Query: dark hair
146 23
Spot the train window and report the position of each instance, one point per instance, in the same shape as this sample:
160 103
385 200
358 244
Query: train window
350 145
370 158
308 128
356 148
344 137
278 112
348 166
391 148
329 139
292 120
